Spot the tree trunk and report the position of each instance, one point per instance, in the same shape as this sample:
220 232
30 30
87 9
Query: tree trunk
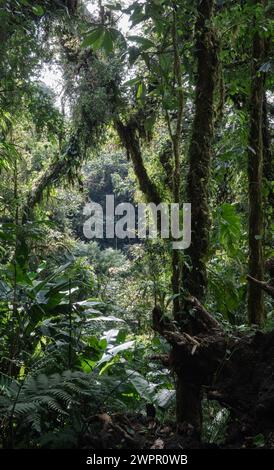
255 171
176 186
189 409
188 395
268 177
195 279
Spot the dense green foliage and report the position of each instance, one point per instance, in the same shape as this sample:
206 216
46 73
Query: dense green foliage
76 336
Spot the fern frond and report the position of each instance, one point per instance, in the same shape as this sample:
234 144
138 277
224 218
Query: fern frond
21 408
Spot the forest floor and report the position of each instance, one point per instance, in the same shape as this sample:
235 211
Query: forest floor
246 387
135 431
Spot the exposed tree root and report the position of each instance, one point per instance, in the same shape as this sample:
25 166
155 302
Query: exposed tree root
235 370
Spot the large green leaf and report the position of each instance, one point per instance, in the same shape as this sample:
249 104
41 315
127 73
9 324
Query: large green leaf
164 397
145 388
113 351
94 38
144 42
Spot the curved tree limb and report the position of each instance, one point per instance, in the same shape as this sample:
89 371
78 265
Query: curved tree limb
127 134
56 170
262 285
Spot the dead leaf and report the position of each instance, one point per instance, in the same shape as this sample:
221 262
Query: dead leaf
158 444
106 420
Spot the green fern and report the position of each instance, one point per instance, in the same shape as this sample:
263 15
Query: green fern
40 393
20 409
41 404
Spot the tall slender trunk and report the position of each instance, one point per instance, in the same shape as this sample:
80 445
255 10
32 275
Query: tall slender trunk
256 313
176 146
268 177
195 278
14 312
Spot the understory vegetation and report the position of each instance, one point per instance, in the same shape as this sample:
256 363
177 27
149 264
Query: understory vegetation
130 343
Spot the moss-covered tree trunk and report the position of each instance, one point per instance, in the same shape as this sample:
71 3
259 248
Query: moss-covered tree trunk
255 173
195 279
268 177
176 146
188 395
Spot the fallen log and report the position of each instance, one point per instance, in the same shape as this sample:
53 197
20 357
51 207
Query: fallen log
236 370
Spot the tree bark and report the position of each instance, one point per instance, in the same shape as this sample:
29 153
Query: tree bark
195 278
188 394
268 176
256 313
189 407
176 186
128 137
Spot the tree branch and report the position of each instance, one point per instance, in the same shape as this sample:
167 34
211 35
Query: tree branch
262 285
127 134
